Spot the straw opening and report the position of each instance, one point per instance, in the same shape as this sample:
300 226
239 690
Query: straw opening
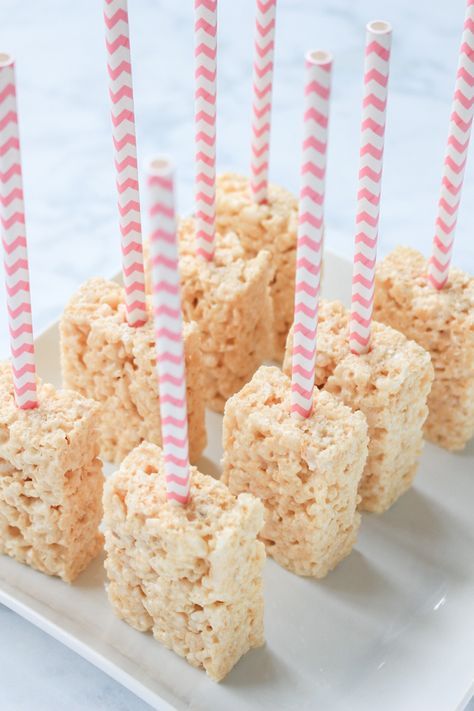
319 56
5 59
379 27
160 165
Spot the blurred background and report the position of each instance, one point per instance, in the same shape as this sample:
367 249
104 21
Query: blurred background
70 190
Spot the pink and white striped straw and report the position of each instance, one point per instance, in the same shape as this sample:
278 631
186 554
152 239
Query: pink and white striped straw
168 329
262 98
310 231
455 157
14 243
125 157
205 125
376 71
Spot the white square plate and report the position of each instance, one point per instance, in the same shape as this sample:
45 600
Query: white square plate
392 627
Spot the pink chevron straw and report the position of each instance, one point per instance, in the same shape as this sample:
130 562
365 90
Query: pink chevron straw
14 243
376 71
455 157
262 98
205 125
310 231
168 329
125 157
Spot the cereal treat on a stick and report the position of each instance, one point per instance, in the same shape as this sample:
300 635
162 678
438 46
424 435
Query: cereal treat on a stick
105 358
50 479
390 385
305 471
191 574
442 321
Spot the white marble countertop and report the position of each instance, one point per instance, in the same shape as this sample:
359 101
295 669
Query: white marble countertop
69 183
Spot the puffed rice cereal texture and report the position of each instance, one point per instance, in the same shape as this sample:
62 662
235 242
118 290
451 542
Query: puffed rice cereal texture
271 225
390 385
191 574
104 358
442 322
50 480
306 472
229 298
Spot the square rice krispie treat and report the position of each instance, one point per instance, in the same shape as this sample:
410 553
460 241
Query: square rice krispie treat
229 298
191 574
443 323
104 358
50 480
271 225
306 472
390 385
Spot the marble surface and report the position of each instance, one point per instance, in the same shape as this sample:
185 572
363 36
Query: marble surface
69 182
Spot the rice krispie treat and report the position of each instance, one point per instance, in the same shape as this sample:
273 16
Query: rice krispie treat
271 225
191 574
229 298
305 471
50 480
104 358
443 323
390 385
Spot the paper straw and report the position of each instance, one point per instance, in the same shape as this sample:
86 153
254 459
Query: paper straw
377 60
168 329
125 157
310 231
262 98
205 125
455 157
14 243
